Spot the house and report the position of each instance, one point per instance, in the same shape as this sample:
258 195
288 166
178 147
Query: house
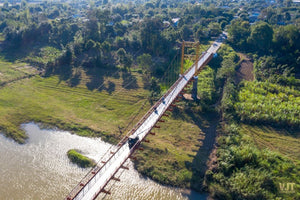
175 21
166 24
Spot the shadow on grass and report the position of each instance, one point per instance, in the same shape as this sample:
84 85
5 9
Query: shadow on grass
111 87
75 79
65 72
208 124
97 79
96 75
129 81
11 54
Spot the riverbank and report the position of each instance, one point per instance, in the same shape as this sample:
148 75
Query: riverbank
43 171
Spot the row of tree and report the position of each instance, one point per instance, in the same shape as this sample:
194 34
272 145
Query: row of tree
109 35
277 47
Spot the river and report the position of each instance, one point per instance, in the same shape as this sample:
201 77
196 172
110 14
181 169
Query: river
40 169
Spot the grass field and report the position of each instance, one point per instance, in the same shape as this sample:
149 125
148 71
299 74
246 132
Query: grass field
278 140
14 71
178 153
54 102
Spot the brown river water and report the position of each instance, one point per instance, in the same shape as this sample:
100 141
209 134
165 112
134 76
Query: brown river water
40 169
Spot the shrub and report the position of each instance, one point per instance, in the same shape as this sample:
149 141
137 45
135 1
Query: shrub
80 159
269 104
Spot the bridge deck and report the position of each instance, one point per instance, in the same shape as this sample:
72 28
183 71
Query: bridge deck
96 180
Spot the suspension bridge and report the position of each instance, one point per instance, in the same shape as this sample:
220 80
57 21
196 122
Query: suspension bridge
97 178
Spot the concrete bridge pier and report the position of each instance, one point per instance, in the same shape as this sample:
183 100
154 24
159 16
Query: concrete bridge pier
195 90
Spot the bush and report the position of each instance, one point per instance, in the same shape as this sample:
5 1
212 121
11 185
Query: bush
269 103
80 159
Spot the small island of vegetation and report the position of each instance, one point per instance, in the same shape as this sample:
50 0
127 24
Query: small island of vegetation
77 158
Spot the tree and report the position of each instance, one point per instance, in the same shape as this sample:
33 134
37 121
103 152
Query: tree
124 58
214 29
287 16
261 37
264 67
92 30
238 32
121 53
288 3
287 39
269 15
66 58
227 69
152 40
186 32
244 16
145 61
127 61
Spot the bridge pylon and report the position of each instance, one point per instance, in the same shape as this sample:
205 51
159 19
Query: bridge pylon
186 46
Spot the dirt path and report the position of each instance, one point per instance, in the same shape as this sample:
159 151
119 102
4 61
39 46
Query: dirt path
245 70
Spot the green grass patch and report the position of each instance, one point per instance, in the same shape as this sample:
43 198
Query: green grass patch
175 155
206 85
77 158
86 112
282 141
44 55
14 71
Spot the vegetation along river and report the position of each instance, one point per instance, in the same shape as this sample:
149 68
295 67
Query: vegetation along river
40 169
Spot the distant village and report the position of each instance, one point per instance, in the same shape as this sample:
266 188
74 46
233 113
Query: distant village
253 15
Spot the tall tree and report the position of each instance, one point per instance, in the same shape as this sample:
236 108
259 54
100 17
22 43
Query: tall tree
238 32
261 37
150 35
